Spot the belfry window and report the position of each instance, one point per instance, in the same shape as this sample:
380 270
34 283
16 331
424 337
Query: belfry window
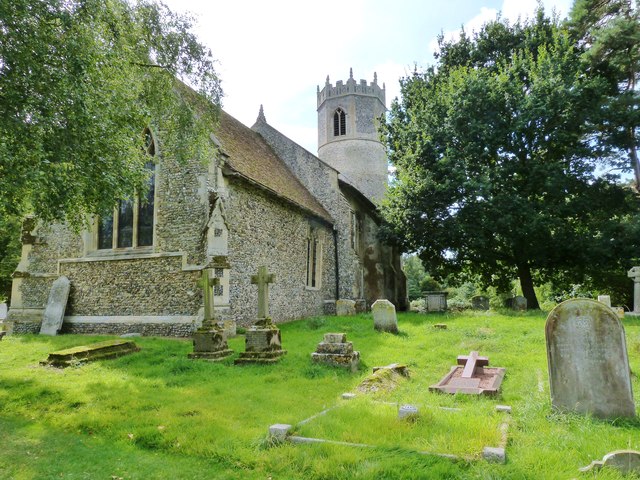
131 224
339 123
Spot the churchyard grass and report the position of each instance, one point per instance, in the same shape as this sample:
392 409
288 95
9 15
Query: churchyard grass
157 414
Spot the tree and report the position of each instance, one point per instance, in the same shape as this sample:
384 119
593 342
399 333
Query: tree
608 33
495 172
80 80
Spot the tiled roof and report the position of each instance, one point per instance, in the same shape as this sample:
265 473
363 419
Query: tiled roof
251 157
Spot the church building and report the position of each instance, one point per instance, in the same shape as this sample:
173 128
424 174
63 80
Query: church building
263 200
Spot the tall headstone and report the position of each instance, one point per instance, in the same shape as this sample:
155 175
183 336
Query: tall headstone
56 305
384 316
634 274
588 363
210 340
263 343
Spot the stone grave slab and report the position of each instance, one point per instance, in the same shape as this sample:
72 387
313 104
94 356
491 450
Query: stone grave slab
88 353
345 307
587 358
384 316
471 376
56 305
384 378
335 351
480 302
435 301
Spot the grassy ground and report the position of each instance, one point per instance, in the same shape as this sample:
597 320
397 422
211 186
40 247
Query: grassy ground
157 414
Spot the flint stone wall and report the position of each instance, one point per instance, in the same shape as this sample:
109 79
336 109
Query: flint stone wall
264 230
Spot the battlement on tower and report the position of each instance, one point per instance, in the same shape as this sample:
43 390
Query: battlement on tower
352 87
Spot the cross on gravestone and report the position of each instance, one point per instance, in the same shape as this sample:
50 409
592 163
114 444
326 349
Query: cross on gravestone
634 274
263 279
207 283
470 363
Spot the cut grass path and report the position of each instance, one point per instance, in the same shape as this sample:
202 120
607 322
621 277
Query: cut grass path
157 414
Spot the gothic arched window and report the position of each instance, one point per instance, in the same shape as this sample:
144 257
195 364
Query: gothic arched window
339 123
131 224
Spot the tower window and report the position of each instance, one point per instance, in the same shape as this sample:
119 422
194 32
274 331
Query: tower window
339 123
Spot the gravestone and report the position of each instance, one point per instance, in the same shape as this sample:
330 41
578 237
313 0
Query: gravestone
210 340
88 353
480 302
335 351
3 311
588 362
518 303
634 274
384 316
263 343
471 376
345 307
625 461
56 305
435 301
606 299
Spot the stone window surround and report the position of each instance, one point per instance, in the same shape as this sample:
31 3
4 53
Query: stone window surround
314 282
339 122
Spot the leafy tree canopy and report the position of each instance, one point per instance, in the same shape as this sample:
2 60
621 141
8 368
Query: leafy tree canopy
80 80
496 168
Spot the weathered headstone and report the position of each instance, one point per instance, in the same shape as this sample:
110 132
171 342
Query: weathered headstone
3 311
625 461
435 301
335 351
408 412
263 343
210 340
480 302
472 376
384 378
588 362
56 305
516 303
606 299
634 274
384 316
345 307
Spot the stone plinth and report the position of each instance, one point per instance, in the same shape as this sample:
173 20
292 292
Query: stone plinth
56 305
263 344
345 307
96 351
384 316
335 351
210 344
588 363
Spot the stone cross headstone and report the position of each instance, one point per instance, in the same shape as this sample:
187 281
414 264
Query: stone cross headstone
56 305
263 279
634 274
210 340
472 375
470 363
588 363
384 316
480 302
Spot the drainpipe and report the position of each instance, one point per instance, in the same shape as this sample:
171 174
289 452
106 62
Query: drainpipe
335 249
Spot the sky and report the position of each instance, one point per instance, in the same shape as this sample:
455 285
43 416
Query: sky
276 53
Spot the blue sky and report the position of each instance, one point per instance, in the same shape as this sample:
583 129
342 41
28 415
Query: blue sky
275 53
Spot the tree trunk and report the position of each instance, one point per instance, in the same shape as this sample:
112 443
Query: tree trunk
526 283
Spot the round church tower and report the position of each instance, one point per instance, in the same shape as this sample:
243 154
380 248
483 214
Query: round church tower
348 138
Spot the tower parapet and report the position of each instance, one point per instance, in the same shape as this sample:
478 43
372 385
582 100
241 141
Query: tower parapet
352 87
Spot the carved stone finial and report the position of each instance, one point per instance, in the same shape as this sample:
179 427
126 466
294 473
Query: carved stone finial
375 77
351 72
261 117
327 82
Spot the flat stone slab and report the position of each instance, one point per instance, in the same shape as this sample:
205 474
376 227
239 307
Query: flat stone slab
486 381
88 353
56 305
